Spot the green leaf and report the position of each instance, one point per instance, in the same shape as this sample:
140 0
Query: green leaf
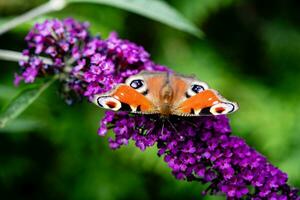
3 21
22 125
22 101
153 9
6 92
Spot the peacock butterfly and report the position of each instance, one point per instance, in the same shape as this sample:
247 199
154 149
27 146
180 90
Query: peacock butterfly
165 93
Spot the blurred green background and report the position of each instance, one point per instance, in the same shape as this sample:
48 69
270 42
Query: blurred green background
251 53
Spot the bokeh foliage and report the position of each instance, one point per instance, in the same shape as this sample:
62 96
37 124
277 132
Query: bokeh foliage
250 53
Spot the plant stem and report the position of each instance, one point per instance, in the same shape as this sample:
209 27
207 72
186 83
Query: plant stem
11 55
17 56
51 5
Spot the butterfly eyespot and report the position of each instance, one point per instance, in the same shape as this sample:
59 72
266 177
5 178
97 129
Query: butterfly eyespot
219 109
195 88
137 83
109 103
222 108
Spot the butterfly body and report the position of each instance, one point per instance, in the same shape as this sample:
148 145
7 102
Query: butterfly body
165 93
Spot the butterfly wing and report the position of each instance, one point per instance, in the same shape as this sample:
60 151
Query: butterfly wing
125 98
206 102
138 94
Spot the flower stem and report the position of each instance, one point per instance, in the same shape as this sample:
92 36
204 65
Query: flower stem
17 56
51 5
11 55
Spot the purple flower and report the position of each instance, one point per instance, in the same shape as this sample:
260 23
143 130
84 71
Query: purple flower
57 41
202 149
85 65
195 148
30 70
111 62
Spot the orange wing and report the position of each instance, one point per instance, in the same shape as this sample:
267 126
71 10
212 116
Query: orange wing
125 98
207 102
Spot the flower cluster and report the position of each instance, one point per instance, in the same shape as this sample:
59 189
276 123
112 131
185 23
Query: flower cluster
54 39
196 149
108 62
202 149
85 65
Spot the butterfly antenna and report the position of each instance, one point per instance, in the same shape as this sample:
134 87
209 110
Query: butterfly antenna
154 127
191 123
173 127
162 128
149 130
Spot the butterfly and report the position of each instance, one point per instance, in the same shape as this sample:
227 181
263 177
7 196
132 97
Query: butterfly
166 94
